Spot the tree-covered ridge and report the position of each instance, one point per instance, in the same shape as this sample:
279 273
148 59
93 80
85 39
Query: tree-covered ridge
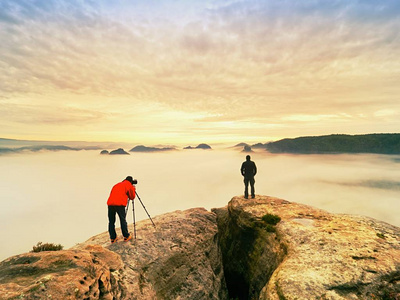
339 143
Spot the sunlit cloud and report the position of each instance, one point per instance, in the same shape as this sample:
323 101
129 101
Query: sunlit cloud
386 113
311 118
238 60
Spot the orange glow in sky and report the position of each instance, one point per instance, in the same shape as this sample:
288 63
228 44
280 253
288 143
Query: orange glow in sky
197 71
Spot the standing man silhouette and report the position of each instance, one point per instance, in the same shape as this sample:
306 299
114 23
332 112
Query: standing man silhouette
249 170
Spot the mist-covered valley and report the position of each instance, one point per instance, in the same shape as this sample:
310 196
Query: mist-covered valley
60 197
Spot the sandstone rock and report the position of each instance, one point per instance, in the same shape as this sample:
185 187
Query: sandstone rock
229 253
66 274
314 254
179 259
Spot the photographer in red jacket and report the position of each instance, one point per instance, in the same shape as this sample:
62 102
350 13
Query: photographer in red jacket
117 201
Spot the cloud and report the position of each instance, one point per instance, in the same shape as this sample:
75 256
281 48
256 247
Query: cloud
238 60
373 184
38 114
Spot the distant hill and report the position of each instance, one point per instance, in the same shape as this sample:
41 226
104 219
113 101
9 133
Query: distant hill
20 143
38 148
82 145
259 146
241 145
247 148
255 146
203 146
119 151
339 143
200 146
142 148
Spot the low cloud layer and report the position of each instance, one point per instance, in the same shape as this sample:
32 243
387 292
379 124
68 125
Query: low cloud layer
374 184
60 197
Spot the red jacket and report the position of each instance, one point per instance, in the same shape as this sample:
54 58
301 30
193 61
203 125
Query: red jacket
120 193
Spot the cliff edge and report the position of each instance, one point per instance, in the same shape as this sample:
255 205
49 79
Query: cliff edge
228 253
312 254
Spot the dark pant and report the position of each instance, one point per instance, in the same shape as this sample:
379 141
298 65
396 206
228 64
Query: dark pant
248 180
120 210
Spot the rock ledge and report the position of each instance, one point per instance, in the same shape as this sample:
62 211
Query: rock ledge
229 253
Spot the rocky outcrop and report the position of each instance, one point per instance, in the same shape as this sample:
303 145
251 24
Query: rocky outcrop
90 273
230 253
250 253
312 254
179 259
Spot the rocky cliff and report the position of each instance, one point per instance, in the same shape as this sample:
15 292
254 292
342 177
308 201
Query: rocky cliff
312 254
230 253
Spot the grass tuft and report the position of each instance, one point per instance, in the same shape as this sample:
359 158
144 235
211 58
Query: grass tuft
46 247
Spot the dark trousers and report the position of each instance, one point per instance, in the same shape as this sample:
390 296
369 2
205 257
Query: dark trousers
248 180
120 210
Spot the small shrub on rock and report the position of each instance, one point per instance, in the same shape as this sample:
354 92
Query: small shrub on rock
46 247
271 219
381 235
270 228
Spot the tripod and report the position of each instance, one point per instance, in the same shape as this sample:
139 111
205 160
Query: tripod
133 210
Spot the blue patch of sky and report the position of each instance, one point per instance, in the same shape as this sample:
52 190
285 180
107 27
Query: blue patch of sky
18 11
8 12
365 10
374 11
179 12
182 12
185 11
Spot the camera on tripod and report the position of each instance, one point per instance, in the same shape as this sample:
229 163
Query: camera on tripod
131 180
134 181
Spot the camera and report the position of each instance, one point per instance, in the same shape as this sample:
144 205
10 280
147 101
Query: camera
131 180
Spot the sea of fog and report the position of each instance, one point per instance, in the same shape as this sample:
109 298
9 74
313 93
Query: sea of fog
60 197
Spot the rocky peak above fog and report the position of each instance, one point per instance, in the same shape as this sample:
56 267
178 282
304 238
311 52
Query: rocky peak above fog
229 253
119 151
199 146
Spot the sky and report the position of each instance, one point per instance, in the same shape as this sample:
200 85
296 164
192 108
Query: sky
171 72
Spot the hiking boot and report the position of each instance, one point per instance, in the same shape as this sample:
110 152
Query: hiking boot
114 240
128 238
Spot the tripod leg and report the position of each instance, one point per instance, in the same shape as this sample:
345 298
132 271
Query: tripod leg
126 210
134 220
145 209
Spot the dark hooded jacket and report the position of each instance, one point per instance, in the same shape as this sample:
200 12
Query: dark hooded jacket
248 169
